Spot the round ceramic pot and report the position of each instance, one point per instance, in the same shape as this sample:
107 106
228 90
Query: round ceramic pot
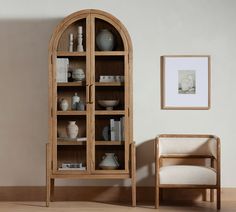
64 105
109 161
72 130
105 40
78 74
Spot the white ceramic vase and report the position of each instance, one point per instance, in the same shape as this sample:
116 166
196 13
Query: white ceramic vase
72 130
105 40
109 161
64 105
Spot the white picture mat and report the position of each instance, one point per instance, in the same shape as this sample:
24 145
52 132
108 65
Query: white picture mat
172 97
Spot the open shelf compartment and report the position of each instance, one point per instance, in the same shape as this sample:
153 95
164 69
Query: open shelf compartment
100 152
71 158
63 44
101 25
104 124
67 92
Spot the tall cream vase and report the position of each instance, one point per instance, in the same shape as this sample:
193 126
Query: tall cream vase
72 130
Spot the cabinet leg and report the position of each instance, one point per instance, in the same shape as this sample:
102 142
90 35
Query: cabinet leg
133 173
133 192
48 176
48 192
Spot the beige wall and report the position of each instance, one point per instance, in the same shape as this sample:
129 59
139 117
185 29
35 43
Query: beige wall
157 27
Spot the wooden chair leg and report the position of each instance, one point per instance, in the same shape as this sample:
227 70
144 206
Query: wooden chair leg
204 195
212 193
218 202
52 189
161 194
157 202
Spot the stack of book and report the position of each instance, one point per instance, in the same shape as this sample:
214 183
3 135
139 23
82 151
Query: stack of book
117 129
62 69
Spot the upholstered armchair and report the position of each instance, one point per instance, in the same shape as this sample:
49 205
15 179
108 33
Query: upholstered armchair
188 147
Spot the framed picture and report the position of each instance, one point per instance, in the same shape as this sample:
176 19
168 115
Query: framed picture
185 82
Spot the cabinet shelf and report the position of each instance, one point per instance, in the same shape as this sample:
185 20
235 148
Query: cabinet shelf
70 54
109 143
64 142
109 84
70 84
71 112
110 53
109 112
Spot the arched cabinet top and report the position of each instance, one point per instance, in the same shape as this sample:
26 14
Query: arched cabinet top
92 22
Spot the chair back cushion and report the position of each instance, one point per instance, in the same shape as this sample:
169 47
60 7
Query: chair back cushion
187 146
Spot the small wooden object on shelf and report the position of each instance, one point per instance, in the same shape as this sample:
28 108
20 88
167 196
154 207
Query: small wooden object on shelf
90 146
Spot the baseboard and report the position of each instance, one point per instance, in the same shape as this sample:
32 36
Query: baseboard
104 194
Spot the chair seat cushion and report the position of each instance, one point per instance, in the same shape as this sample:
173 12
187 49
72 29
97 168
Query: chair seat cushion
187 175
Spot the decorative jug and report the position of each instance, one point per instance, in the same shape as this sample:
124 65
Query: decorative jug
105 40
75 101
64 104
109 161
72 130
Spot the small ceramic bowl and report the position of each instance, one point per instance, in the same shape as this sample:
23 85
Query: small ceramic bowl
108 104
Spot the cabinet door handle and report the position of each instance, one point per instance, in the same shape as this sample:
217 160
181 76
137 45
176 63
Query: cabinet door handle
91 94
87 94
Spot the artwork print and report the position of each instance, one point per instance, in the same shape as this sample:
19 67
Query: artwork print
186 81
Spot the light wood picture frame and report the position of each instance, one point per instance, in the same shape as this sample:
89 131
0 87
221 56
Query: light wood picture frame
185 82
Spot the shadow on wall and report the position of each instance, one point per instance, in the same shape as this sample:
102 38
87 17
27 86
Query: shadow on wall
145 158
24 93
145 162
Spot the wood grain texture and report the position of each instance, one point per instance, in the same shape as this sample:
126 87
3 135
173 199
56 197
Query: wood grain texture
91 121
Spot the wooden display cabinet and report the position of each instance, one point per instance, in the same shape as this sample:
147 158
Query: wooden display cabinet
95 118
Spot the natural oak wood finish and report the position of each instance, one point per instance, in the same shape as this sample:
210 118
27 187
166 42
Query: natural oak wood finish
109 112
109 84
94 118
69 113
109 143
71 142
67 84
158 164
70 54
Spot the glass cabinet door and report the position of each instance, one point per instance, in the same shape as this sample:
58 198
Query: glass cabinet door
71 143
110 107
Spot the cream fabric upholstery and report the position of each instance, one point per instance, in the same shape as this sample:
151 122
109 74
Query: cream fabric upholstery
187 146
184 174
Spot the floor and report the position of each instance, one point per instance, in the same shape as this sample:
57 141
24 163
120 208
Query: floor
93 206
